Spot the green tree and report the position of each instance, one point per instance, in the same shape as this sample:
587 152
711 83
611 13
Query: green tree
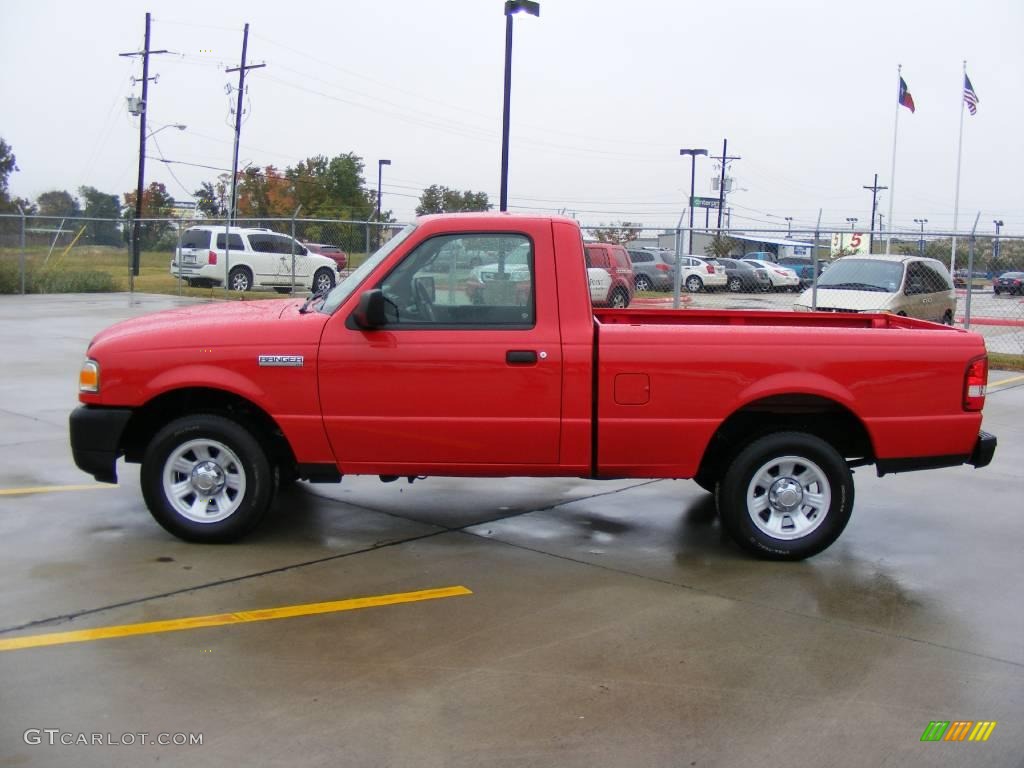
100 205
721 246
620 234
440 199
211 200
158 204
8 165
58 202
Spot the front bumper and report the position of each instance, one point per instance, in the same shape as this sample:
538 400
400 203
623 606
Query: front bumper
96 439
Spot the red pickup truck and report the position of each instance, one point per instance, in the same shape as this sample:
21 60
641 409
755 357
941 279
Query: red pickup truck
397 372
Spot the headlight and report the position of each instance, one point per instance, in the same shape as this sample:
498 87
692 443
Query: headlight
89 377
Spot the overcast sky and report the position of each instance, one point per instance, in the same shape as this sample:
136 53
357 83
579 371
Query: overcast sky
604 95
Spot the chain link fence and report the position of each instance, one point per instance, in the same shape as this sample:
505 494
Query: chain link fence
732 268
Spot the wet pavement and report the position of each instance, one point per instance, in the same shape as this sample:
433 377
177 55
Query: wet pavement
610 623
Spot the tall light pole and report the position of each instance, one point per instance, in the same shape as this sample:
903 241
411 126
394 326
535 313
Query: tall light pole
380 173
995 246
693 175
853 222
920 243
789 225
512 7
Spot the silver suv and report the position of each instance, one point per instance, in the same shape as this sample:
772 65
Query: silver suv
257 258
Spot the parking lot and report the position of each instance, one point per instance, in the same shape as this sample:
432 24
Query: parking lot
520 622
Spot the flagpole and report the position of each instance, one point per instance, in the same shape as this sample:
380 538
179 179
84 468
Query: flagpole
959 155
892 174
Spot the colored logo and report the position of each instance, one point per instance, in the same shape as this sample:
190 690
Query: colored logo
958 730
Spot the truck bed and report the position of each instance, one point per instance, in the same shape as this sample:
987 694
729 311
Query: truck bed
750 319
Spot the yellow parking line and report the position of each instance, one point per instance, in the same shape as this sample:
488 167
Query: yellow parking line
220 619
53 489
1003 382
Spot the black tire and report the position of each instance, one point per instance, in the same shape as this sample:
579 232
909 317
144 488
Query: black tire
323 280
643 283
947 319
619 299
240 458
794 460
240 279
995 291
735 284
694 284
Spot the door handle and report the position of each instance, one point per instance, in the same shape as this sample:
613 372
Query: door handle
520 357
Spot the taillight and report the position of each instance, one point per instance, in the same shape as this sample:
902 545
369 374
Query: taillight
662 267
212 258
711 270
975 381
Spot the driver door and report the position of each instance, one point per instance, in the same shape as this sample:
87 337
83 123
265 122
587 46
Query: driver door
456 381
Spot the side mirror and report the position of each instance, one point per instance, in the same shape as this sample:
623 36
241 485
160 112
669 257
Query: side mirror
425 288
369 313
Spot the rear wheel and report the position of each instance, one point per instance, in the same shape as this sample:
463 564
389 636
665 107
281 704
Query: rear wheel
206 478
323 280
619 299
947 319
694 284
240 279
735 284
643 283
786 496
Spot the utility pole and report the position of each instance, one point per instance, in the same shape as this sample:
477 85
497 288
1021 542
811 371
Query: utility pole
233 202
875 189
241 70
920 242
721 185
145 53
995 245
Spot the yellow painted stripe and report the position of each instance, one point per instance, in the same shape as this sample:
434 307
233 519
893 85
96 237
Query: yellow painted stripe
222 619
983 730
1004 382
54 489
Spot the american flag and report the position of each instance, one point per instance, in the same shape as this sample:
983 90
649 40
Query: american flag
970 96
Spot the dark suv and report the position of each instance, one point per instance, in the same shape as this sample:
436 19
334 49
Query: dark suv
652 270
615 260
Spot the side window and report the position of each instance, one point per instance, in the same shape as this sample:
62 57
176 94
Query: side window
641 257
195 238
597 257
469 280
283 245
234 240
934 280
262 243
621 258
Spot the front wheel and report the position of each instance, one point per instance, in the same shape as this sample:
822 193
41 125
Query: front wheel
786 496
947 319
206 478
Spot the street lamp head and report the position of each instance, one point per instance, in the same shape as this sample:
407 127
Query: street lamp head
383 162
693 152
524 6
997 222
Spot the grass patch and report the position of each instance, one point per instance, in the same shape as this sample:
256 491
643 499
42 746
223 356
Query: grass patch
1004 362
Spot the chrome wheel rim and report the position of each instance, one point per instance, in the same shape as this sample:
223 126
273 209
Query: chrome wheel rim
240 282
619 301
323 281
204 481
788 497
693 284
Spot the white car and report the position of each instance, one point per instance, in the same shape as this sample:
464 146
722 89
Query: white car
257 258
701 274
518 269
783 278
600 285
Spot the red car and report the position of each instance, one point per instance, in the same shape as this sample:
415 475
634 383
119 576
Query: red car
331 252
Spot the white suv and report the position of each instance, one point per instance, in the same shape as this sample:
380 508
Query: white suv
257 257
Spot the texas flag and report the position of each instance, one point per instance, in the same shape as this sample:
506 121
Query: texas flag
905 98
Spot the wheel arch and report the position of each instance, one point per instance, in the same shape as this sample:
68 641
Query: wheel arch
815 414
148 419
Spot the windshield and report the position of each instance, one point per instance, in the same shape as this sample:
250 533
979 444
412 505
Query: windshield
345 288
863 275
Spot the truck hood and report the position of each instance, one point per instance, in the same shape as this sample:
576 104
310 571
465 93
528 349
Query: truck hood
223 324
